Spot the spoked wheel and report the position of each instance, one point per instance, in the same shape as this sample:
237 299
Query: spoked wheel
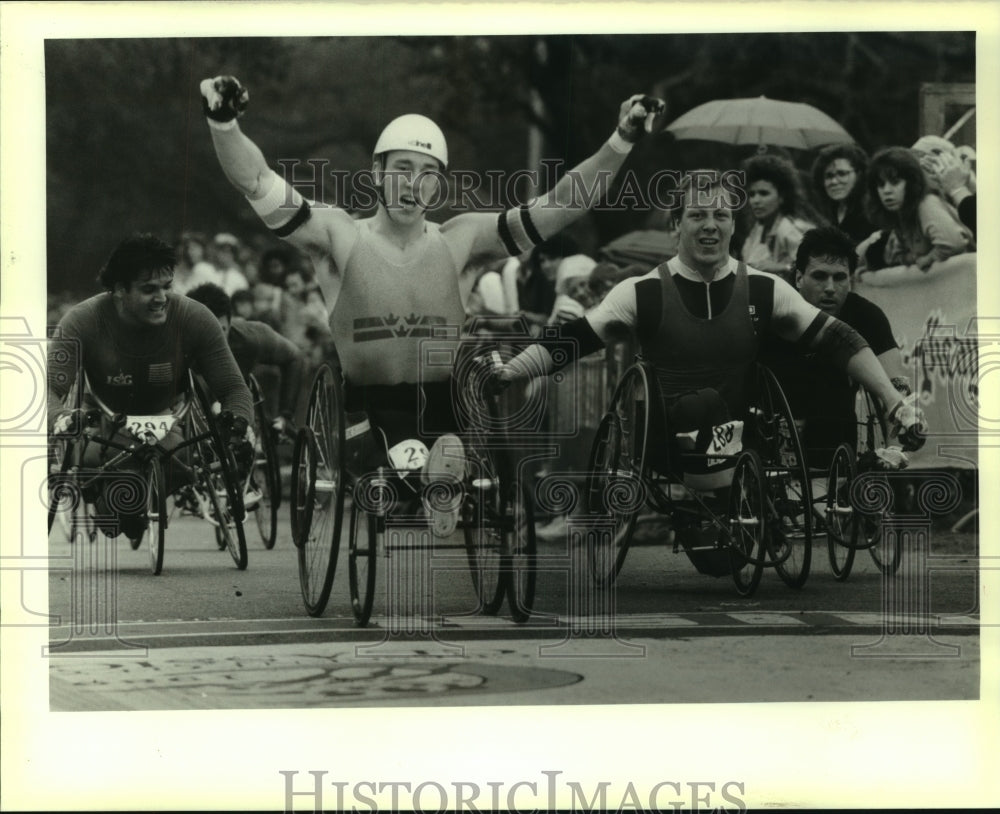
747 520
156 516
64 492
265 476
482 514
886 550
78 515
787 484
519 554
873 434
318 489
362 550
229 531
616 472
841 520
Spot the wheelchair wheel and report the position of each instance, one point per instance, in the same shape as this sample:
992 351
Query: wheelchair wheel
265 474
482 515
318 489
228 473
229 531
873 434
747 522
156 515
62 487
841 520
617 469
362 550
518 529
786 483
78 516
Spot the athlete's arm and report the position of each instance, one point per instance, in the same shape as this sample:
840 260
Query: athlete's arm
517 230
206 346
581 337
796 320
63 364
315 228
271 348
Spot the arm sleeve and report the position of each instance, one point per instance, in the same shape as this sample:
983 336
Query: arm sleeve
878 334
791 315
616 311
211 357
274 349
945 233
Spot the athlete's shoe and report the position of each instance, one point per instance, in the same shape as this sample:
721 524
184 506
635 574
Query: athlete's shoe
442 476
252 497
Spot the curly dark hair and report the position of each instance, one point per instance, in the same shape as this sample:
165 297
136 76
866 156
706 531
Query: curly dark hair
782 174
135 256
894 164
853 155
214 298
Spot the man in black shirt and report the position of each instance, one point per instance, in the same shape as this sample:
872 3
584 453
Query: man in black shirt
820 395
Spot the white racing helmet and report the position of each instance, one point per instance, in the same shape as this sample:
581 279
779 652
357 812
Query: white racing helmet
413 132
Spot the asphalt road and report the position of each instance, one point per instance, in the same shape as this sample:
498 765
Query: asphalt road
205 635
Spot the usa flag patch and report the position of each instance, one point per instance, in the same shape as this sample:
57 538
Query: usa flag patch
162 373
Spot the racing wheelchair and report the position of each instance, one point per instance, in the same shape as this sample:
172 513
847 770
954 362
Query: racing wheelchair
113 463
330 482
733 511
849 530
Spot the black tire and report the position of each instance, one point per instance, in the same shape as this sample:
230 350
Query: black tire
319 481
520 555
787 483
747 522
482 513
64 492
617 470
841 519
265 474
362 550
873 433
156 516
227 527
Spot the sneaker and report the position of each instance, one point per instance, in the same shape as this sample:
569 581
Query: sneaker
555 529
445 464
252 497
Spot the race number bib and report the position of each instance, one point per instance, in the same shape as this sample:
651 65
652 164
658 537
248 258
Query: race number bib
143 425
727 439
408 455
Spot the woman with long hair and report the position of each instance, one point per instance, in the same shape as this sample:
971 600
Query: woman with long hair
780 212
838 176
919 227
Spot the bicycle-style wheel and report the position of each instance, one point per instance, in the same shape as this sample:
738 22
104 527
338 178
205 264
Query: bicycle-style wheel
617 470
265 475
786 482
747 522
156 515
886 550
518 528
841 520
481 523
319 485
362 551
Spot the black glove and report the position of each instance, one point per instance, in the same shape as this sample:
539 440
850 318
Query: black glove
223 98
908 423
637 115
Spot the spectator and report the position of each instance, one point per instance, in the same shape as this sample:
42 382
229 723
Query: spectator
274 265
193 269
838 176
242 303
953 175
267 304
606 276
231 277
529 285
573 297
779 210
918 227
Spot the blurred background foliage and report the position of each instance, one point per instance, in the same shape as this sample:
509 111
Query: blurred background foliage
127 147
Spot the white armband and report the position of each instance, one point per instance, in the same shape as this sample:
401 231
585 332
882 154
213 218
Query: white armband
280 204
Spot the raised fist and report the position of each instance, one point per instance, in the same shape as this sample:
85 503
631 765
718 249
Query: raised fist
638 115
223 98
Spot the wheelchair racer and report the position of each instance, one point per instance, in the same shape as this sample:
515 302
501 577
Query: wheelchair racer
394 276
699 320
822 397
135 344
